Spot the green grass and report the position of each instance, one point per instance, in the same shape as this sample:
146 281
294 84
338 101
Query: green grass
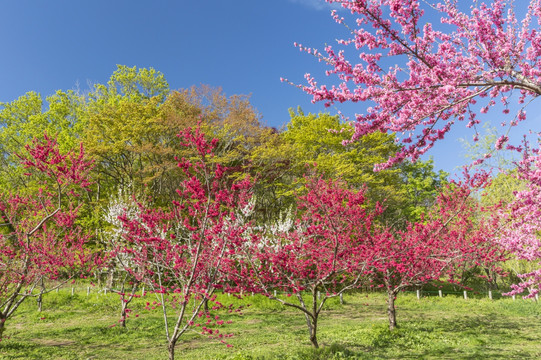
79 327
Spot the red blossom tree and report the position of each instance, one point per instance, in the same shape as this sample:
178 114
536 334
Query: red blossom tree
321 255
41 240
418 78
183 255
453 235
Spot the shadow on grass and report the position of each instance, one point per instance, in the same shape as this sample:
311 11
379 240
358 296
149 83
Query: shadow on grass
331 352
7 345
462 337
466 337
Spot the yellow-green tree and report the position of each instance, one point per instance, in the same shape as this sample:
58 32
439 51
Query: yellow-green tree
123 131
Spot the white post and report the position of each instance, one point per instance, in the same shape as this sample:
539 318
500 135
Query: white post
418 294
143 290
318 295
274 293
87 290
56 290
72 291
341 299
490 294
465 295
536 297
514 297
440 293
105 291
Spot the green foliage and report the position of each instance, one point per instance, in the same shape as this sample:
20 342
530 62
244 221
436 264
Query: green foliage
21 120
313 143
502 189
420 184
25 118
485 145
124 133
134 84
320 140
320 143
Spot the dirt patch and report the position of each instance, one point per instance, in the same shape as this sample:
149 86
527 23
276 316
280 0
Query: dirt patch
17 326
54 342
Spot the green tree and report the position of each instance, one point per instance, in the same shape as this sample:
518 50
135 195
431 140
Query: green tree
123 132
320 144
29 117
420 185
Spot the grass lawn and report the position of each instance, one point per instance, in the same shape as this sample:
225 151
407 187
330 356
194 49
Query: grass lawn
79 327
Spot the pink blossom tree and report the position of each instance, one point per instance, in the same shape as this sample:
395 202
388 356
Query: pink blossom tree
321 255
419 78
520 233
184 254
41 240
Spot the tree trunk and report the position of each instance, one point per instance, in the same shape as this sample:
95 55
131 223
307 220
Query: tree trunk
312 330
391 311
2 324
206 305
313 334
110 277
40 301
171 348
311 321
40 296
123 312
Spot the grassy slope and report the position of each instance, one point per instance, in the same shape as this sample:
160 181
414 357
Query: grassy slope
431 328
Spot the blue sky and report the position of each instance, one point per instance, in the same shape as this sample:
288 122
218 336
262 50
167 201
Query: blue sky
243 46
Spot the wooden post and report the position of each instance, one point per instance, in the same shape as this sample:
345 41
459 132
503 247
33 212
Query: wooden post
465 295
318 295
440 293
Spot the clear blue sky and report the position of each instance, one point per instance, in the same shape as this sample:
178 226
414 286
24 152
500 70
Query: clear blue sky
243 46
